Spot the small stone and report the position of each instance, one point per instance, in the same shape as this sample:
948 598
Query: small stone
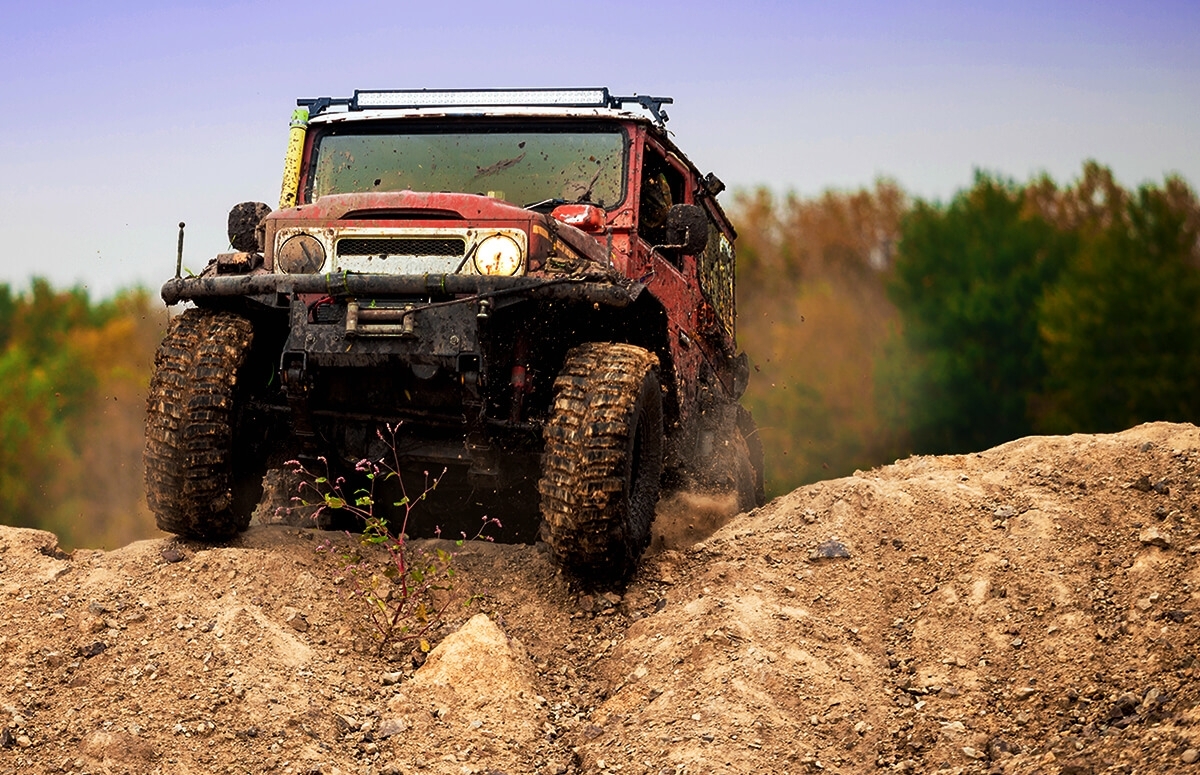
1004 512
587 603
389 679
295 620
391 726
1153 536
1190 756
171 554
972 753
832 549
93 649
91 624
23 741
1024 692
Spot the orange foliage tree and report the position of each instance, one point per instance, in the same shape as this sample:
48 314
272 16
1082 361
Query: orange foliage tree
815 320
73 378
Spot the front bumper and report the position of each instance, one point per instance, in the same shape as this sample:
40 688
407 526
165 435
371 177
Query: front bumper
606 291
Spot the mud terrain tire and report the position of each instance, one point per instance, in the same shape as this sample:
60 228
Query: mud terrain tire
603 461
196 485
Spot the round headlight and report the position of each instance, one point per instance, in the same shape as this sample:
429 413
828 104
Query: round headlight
301 254
499 254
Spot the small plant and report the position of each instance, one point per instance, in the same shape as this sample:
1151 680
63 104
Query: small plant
406 595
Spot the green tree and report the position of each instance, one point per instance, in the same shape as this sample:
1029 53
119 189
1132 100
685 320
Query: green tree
968 280
1122 327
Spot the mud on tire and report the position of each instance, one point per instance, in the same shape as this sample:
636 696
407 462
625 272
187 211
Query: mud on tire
603 460
748 430
196 485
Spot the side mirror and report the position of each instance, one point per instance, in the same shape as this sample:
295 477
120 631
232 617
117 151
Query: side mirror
687 229
244 221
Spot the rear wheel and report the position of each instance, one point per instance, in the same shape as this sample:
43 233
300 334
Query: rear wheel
748 430
603 460
202 481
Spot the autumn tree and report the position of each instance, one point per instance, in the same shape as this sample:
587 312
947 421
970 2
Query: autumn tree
813 316
73 376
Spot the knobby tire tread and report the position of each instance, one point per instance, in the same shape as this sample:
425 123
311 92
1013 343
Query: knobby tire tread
597 501
754 447
191 412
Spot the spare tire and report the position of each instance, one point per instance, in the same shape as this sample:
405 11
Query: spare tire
603 460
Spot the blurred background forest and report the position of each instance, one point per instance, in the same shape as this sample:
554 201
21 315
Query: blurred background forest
878 327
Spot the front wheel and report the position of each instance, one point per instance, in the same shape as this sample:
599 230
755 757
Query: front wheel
200 480
603 460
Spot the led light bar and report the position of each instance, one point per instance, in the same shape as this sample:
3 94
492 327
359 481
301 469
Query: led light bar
485 98
459 98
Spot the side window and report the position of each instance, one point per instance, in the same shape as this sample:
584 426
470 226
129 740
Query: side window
661 187
716 265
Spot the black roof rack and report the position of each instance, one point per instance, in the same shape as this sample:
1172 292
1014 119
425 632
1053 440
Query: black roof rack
366 99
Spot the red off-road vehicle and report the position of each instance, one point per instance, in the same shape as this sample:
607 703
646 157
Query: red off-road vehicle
537 286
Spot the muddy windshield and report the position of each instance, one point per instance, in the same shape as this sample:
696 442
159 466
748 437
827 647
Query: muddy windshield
522 166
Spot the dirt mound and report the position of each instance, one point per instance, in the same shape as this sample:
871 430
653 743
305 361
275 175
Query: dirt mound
1032 608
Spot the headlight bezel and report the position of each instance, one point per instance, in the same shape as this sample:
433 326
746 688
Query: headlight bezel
498 255
297 259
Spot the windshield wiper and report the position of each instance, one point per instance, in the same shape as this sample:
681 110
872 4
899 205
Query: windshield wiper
553 202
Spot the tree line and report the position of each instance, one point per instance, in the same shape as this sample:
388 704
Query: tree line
882 326
878 326
73 378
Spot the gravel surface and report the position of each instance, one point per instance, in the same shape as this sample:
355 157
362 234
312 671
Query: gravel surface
1028 609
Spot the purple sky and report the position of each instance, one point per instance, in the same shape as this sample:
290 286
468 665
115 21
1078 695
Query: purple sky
126 118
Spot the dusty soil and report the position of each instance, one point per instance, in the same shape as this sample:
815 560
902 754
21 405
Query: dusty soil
1029 609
